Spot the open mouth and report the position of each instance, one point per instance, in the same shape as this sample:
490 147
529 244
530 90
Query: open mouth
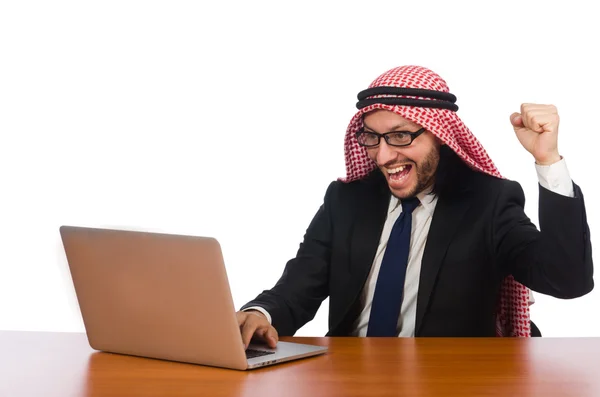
399 175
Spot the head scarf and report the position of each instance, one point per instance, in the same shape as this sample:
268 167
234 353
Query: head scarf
432 106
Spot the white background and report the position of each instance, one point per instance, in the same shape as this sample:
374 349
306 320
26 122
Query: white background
227 119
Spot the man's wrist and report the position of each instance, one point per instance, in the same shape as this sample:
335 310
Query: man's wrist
256 312
262 311
549 160
556 178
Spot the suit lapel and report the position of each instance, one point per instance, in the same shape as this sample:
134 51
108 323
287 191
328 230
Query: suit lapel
371 205
449 212
366 231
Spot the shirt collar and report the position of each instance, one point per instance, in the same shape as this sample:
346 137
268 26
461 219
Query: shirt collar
427 201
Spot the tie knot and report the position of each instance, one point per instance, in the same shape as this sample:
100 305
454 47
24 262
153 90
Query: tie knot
409 204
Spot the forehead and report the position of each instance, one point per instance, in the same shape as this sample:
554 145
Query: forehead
386 120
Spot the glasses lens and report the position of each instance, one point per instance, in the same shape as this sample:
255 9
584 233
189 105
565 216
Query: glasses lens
399 139
368 139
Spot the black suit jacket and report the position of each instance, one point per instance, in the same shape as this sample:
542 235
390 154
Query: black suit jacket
479 234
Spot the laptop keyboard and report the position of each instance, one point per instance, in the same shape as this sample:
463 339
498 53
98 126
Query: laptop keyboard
252 353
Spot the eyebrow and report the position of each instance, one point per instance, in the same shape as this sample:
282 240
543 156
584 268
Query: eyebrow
394 128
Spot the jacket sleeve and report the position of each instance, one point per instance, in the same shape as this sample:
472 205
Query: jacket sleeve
555 260
304 284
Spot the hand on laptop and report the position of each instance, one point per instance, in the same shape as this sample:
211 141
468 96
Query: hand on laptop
253 324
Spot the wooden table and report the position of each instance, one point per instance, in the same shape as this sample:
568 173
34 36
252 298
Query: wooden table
62 364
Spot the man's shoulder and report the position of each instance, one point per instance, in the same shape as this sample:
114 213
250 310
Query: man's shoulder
373 183
488 185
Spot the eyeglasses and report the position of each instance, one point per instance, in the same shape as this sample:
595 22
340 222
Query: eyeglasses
394 138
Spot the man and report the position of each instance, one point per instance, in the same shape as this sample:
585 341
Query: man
424 237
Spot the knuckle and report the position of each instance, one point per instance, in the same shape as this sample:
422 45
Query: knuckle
249 326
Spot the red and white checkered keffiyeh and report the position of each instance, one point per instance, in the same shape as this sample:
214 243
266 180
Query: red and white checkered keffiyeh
512 317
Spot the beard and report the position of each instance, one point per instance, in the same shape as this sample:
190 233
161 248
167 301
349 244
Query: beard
425 171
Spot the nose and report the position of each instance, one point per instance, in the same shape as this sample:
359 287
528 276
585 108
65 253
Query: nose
385 153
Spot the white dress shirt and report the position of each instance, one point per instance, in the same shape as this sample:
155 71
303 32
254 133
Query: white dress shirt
554 177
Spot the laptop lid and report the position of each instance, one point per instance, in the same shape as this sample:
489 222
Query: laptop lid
154 295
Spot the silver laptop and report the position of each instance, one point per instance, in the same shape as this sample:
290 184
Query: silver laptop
162 296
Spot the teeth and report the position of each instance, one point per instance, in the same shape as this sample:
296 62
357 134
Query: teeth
395 170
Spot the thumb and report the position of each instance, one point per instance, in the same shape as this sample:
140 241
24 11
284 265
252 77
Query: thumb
516 120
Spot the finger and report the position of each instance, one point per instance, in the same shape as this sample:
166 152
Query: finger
261 334
541 122
271 337
529 110
516 120
241 317
540 112
248 329
268 335
530 120
534 106
265 331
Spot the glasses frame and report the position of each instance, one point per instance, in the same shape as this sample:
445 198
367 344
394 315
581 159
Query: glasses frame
413 136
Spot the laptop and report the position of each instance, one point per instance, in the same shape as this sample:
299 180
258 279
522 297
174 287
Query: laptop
162 296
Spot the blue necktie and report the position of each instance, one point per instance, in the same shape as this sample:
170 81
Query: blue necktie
389 289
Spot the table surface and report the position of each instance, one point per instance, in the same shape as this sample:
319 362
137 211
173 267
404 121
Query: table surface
62 364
